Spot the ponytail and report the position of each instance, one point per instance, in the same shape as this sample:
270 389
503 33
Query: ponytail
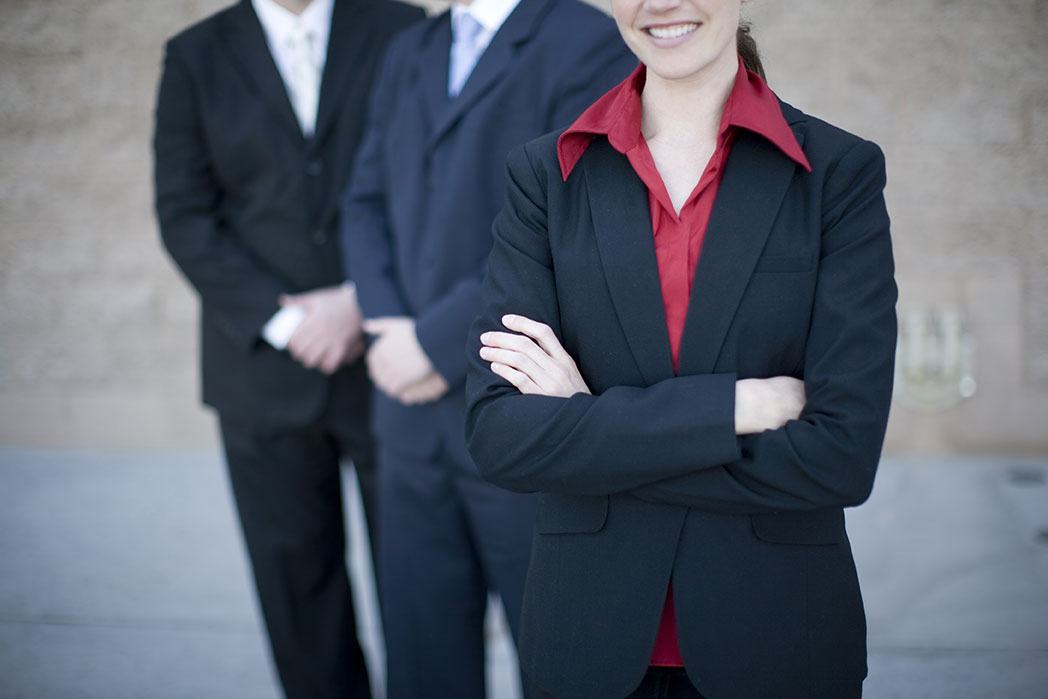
751 58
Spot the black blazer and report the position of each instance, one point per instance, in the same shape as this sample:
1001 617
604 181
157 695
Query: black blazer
247 205
429 180
645 481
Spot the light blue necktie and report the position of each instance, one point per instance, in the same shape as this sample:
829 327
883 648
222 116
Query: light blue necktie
464 51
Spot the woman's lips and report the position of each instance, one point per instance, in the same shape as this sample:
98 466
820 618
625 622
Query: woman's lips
672 31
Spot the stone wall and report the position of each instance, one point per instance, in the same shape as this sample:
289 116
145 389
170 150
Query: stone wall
955 94
98 331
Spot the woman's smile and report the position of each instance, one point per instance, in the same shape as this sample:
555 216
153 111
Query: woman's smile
681 39
672 31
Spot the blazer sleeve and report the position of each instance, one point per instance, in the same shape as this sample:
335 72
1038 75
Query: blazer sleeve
828 457
364 234
584 444
600 60
232 285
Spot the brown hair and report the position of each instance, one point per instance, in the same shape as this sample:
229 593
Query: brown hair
751 57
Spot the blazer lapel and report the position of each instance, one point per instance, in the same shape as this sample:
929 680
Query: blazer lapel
618 203
347 44
246 44
496 60
430 75
755 182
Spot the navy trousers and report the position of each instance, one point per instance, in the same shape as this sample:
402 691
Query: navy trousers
446 539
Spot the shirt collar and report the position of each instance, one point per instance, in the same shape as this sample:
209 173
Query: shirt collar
279 22
751 105
490 14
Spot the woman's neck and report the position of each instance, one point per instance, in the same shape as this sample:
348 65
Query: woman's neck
680 120
687 110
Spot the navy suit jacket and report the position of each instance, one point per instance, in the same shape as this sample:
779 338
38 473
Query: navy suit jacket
429 179
645 481
248 206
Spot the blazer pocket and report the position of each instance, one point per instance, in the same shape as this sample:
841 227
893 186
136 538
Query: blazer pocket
814 528
783 264
571 514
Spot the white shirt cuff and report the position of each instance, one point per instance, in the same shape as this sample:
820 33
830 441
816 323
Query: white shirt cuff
279 329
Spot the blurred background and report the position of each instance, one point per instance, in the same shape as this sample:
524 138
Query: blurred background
114 511
98 342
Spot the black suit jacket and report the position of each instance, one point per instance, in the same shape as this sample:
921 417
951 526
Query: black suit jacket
644 481
247 205
429 180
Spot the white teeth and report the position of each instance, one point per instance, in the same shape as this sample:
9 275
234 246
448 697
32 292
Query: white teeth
672 32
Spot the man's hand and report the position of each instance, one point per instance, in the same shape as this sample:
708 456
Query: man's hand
767 404
397 363
330 335
425 391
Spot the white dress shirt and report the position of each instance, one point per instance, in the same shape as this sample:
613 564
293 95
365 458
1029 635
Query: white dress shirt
280 27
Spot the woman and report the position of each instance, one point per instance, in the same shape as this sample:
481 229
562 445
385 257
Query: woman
686 346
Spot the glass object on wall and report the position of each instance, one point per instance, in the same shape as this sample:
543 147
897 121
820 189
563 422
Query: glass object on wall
934 360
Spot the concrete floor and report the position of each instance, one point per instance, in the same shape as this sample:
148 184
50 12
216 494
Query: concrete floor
122 574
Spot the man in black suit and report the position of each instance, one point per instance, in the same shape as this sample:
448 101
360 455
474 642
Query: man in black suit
259 113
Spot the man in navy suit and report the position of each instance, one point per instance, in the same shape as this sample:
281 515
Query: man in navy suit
259 114
453 97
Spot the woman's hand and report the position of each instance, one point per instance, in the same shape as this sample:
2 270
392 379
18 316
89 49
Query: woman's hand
767 404
533 361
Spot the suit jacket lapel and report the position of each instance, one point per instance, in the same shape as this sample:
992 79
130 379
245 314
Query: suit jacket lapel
496 60
347 43
430 78
246 44
618 203
751 192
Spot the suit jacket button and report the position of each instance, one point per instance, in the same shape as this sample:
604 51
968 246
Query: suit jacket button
319 237
314 168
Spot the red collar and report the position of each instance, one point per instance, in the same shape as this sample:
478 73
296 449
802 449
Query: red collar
751 105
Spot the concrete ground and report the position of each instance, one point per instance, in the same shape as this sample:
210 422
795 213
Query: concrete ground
122 574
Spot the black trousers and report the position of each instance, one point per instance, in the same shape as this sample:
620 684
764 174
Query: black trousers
666 683
288 490
658 683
